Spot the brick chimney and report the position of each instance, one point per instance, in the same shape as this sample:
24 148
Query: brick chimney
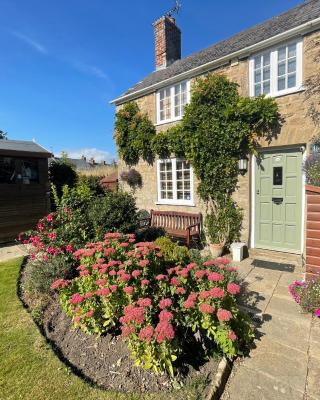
167 42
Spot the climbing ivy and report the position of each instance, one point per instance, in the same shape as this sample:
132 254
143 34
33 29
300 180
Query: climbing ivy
133 134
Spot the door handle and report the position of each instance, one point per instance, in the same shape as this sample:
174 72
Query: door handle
258 191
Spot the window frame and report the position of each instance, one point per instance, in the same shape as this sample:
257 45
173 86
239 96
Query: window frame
172 98
174 200
273 51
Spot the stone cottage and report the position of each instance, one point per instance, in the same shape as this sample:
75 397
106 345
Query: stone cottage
275 58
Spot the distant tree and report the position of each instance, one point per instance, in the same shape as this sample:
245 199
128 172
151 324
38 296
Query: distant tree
3 135
61 173
312 84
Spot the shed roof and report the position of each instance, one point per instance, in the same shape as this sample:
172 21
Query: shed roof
304 13
24 147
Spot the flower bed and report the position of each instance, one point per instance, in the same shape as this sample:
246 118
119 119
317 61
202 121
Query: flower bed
307 295
160 310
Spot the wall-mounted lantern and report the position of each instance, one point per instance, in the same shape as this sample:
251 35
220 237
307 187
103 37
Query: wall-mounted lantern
243 165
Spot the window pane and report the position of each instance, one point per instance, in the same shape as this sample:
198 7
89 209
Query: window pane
266 59
169 185
281 69
163 186
266 87
179 175
177 89
257 76
266 73
187 195
186 175
170 195
163 195
179 165
292 81
257 62
292 65
292 50
257 90
187 185
179 185
282 53
281 83
169 176
180 195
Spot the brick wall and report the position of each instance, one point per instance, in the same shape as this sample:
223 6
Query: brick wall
313 232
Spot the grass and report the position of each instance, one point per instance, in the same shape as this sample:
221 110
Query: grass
30 370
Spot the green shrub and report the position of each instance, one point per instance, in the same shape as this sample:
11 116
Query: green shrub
172 252
116 211
312 169
93 182
62 173
40 274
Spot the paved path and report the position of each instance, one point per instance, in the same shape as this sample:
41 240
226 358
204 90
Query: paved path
13 251
285 363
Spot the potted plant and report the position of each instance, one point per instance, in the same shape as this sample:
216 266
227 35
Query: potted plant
223 225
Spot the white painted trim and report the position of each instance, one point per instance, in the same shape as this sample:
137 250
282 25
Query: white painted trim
274 92
174 201
172 95
303 203
245 52
253 202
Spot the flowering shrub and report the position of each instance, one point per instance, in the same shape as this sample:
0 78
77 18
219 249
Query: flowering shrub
307 295
128 285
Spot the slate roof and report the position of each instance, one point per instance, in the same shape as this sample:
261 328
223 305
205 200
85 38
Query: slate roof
299 15
22 146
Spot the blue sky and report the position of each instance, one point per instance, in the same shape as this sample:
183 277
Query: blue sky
62 61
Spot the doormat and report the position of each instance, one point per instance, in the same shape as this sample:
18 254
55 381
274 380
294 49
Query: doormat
276 266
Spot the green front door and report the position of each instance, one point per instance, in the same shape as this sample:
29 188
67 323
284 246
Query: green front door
278 200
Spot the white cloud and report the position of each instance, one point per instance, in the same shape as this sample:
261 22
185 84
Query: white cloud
91 70
26 39
98 155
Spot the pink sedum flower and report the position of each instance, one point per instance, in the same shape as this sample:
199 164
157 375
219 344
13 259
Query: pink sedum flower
233 288
146 333
128 290
224 315
164 303
206 308
232 336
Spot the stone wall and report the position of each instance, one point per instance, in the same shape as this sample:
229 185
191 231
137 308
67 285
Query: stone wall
297 129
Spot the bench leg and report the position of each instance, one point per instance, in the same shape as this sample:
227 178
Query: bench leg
188 240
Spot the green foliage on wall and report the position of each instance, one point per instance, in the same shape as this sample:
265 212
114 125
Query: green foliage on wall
133 134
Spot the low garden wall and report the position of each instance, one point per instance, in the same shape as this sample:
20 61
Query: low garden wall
313 232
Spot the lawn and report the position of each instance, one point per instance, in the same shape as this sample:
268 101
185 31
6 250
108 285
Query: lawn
29 369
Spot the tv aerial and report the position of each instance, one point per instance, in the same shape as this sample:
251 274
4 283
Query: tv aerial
174 10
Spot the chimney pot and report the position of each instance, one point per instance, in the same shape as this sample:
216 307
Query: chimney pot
167 42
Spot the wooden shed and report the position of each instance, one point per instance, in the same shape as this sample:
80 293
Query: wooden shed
24 187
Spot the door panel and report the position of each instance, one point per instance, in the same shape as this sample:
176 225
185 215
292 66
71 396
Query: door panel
278 200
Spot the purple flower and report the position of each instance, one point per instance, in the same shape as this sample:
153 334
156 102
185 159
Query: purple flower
317 313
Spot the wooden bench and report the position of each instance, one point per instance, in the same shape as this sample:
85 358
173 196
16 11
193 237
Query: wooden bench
177 224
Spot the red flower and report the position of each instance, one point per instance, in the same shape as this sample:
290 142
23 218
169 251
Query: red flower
69 248
127 330
204 295
180 290
52 236
136 273
216 293
164 331
164 303
77 319
146 302
124 244
128 289
200 274
161 277
146 333
165 316
175 281
113 288
215 277
89 314
103 292
125 277
144 263
232 336
85 272
206 308
76 299
145 282
60 283
50 217
101 282
224 315
233 288
112 272
88 295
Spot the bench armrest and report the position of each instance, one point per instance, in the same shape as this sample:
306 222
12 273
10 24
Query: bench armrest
193 226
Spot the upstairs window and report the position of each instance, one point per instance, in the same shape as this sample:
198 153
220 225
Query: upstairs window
171 102
175 182
277 71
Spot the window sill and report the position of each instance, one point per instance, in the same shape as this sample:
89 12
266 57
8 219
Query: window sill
169 121
285 92
175 203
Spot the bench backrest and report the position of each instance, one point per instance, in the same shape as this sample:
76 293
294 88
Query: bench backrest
175 220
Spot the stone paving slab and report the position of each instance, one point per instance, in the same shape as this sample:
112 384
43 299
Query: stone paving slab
10 252
285 363
255 385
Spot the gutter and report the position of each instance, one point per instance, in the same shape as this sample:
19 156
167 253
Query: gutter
245 52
